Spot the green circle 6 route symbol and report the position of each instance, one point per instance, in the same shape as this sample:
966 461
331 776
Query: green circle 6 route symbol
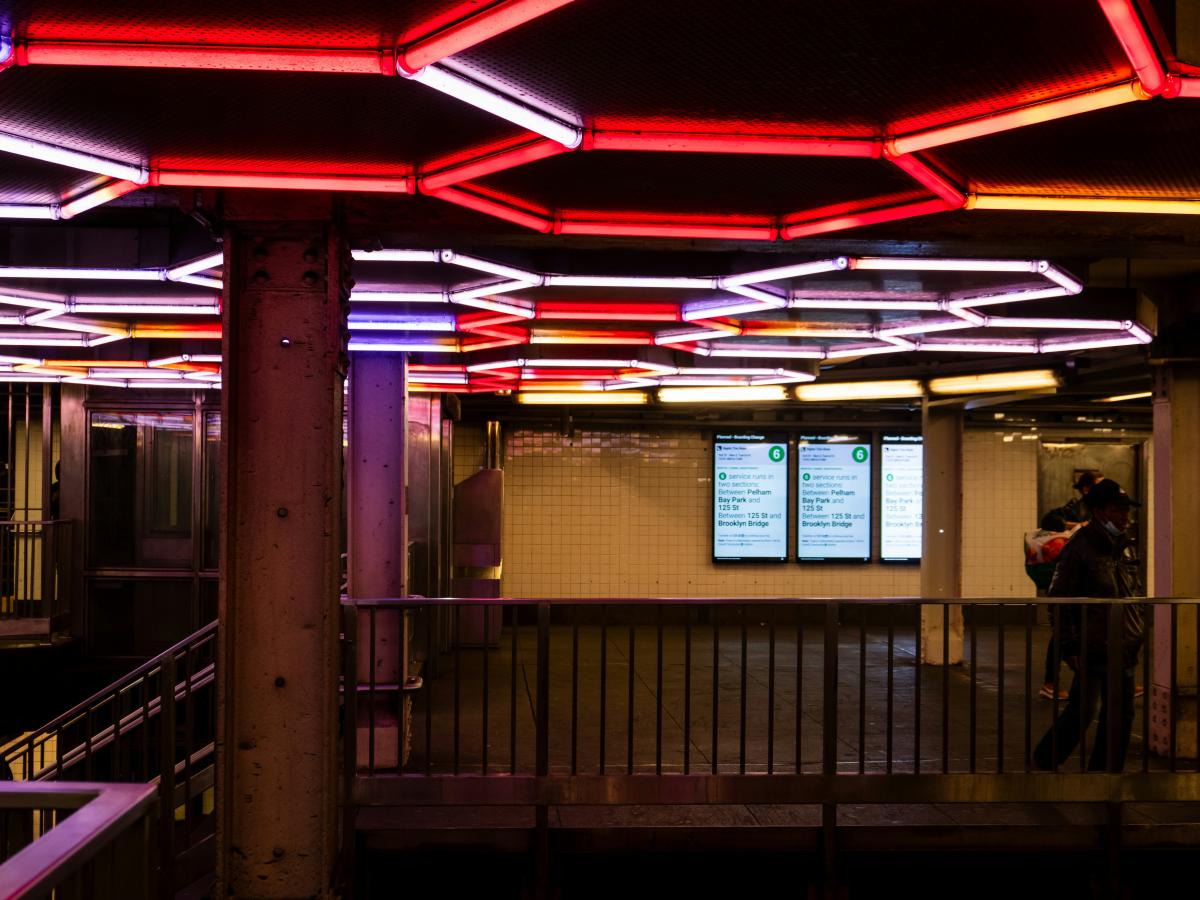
721 475
859 454
806 476
776 454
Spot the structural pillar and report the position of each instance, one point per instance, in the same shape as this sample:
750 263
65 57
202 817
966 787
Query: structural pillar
1176 510
286 287
941 542
377 531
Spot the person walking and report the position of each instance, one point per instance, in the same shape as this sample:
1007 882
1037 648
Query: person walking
1098 561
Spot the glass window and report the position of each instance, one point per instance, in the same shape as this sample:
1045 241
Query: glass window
212 489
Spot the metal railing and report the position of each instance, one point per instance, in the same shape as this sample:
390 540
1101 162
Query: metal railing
157 724
734 701
77 840
35 556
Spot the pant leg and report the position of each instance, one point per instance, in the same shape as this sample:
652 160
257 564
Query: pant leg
1051 668
1099 758
1064 735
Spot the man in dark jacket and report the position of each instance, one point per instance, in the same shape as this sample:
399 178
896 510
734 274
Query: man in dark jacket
1097 562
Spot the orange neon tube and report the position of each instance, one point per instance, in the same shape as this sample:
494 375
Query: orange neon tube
394 184
1038 203
774 144
37 52
1006 120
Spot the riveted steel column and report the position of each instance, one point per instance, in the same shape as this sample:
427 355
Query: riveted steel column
941 544
377 530
1175 507
286 284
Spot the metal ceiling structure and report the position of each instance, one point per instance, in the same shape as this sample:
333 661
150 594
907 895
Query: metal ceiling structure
695 143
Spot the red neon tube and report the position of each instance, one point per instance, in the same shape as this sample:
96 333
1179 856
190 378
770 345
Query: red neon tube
486 343
473 29
591 336
498 208
640 229
774 144
1123 16
868 217
98 197
481 320
490 164
608 312
717 325
1182 86
38 52
398 184
935 181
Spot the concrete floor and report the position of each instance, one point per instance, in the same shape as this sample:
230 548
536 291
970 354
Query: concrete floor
795 716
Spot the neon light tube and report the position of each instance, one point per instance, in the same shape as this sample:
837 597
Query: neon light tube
75 159
388 184
1121 398
636 281
720 370
933 181
498 306
577 363
706 309
106 339
98 197
701 381
206 56
582 398
191 267
1096 324
767 298
473 93
1006 297
400 322
1034 113
28 211
99 306
496 208
868 217
850 351
927 326
766 351
1061 278
598 338
492 268
1182 86
202 281
1141 332
396 255
614 312
428 345
68 272
29 379
663 338
1139 48
1029 379
6 49
763 232
969 315
772 144
834 304
778 273
1086 342
490 163
762 394
834 392
474 29
487 290
1036 203
398 297
50 340
917 264
481 321
982 345
901 342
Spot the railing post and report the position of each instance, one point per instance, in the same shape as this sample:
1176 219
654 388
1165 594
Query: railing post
542 762
166 777
829 749
349 743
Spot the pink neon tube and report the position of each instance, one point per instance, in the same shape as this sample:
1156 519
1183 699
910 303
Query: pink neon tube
868 217
491 163
202 56
772 144
400 184
1127 25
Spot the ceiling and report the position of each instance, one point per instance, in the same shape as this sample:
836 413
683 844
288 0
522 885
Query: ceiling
607 138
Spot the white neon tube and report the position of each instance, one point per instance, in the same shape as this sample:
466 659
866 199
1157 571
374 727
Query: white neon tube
490 100
75 159
577 363
497 306
191 267
395 255
401 346
1097 324
764 393
707 309
834 304
1007 297
28 211
779 272
767 298
93 274
1141 332
101 340
689 334
497 364
1058 276
927 326
492 268
100 306
634 281
399 297
1086 342
831 392
767 352
503 287
969 315
909 264
980 346
842 351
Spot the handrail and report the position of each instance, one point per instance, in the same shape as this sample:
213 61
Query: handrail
117 686
35 521
101 813
413 602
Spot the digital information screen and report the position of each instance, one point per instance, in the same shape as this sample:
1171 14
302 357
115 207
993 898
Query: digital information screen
835 498
901 510
750 497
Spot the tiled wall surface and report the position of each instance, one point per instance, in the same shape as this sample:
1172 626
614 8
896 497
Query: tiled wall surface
999 506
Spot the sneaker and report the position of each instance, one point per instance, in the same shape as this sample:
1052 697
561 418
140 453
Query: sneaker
1047 693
